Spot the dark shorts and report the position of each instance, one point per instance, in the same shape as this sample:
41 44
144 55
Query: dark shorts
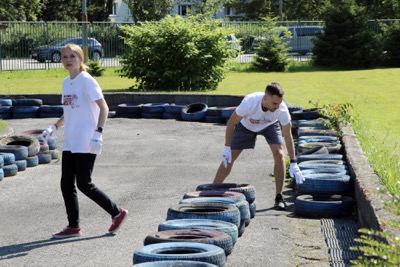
243 138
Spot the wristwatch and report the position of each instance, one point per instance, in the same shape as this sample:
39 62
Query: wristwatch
99 129
293 161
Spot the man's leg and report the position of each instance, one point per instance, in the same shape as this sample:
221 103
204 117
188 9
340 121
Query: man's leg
279 166
223 172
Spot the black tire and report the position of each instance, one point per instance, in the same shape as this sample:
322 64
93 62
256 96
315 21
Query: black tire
181 251
20 152
211 211
128 115
214 119
51 109
56 57
154 108
228 194
8 158
128 110
10 170
334 206
175 263
27 102
246 189
194 112
294 108
306 114
302 158
32 161
96 55
325 184
206 224
30 142
212 237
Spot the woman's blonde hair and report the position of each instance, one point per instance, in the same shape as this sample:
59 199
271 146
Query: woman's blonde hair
78 51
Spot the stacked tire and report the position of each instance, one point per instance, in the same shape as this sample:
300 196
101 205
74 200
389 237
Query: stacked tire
202 229
6 109
328 182
26 108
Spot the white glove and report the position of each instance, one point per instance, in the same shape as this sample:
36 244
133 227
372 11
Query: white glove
296 173
48 132
96 143
227 156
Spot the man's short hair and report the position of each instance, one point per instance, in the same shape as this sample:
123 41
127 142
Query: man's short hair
274 89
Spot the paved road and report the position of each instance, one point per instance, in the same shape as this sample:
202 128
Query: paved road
146 167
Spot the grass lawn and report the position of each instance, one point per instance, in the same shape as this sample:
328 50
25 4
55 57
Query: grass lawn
374 95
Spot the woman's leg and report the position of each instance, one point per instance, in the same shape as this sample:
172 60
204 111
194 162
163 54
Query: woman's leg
68 188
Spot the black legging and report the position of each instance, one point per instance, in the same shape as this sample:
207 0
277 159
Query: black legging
78 167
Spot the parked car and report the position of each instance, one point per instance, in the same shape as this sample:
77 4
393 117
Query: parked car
52 50
299 41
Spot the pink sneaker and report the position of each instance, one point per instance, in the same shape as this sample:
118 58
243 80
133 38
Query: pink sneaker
118 220
68 232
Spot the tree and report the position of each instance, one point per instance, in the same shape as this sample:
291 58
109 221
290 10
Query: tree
19 10
99 10
304 9
254 9
149 10
347 41
381 9
61 10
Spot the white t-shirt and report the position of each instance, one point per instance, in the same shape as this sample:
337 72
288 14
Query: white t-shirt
81 112
254 118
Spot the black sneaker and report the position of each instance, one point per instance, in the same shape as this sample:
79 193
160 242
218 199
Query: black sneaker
280 203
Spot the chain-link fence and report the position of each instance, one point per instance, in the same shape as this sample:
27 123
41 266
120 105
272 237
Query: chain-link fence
34 45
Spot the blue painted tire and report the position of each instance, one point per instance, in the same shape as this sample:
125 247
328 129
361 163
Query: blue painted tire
6 110
171 116
211 211
242 205
20 152
21 165
325 184
304 131
2 160
246 189
180 251
27 102
44 157
334 206
51 109
128 110
328 171
174 108
212 237
194 112
154 108
321 166
311 157
1 174
332 147
206 224
26 110
253 210
30 142
5 102
32 115
148 115
175 263
226 113
8 158
227 194
10 170
214 119
32 161
55 153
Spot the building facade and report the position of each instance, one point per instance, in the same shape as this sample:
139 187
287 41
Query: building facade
121 12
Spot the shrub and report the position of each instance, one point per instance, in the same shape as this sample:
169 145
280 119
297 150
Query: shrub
176 54
95 68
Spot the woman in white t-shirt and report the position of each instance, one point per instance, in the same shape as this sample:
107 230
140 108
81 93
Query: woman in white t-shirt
85 114
261 114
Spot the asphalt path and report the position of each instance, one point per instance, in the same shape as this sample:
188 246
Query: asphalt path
147 165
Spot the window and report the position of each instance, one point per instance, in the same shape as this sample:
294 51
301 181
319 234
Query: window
114 9
183 9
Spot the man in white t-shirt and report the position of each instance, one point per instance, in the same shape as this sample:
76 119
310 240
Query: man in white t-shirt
261 114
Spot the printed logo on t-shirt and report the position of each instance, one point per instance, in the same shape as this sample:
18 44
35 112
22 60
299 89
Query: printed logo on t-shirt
71 100
262 121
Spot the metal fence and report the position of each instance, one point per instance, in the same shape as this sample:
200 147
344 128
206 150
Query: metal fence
18 40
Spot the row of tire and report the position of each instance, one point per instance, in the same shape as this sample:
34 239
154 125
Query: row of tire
202 229
33 108
19 152
187 112
328 182
23 108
